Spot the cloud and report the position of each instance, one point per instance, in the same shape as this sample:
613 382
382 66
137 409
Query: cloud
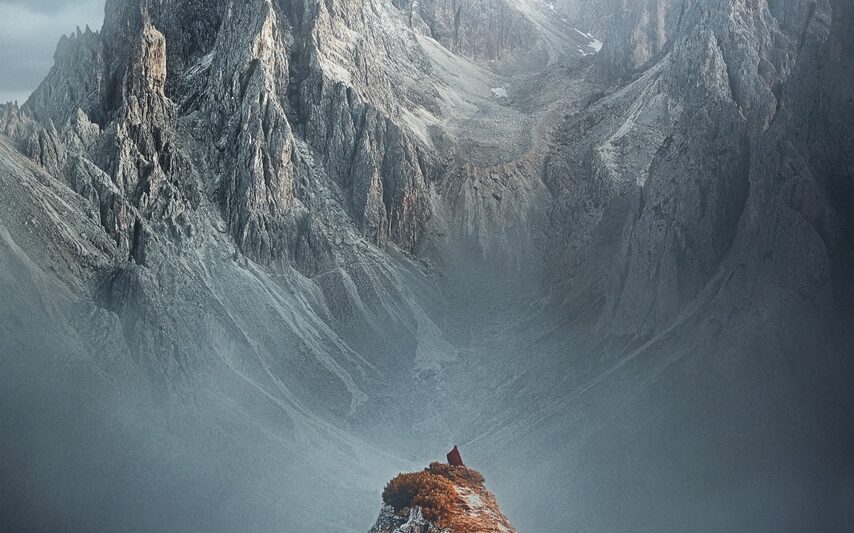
29 31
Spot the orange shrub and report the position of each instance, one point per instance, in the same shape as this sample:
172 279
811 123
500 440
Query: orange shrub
435 494
459 475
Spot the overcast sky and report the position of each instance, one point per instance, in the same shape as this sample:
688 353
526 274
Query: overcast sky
29 31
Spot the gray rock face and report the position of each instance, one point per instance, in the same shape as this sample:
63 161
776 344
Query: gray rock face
389 522
680 156
481 29
248 74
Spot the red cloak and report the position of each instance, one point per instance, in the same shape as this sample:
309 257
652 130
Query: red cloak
454 457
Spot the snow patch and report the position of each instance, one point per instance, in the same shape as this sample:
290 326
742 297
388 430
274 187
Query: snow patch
336 71
474 500
201 66
594 45
500 92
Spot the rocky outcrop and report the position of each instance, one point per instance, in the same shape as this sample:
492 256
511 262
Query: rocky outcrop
441 499
64 154
391 522
77 81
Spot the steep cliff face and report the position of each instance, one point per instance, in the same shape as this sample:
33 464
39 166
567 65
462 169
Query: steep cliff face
235 85
679 152
478 29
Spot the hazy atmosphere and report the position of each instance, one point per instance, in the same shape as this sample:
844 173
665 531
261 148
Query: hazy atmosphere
434 266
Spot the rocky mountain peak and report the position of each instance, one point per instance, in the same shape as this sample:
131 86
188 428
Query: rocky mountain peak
148 63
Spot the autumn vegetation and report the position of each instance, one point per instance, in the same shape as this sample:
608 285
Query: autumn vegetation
459 475
435 491
435 494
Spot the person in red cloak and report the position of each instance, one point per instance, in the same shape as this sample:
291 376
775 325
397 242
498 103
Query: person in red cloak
454 457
